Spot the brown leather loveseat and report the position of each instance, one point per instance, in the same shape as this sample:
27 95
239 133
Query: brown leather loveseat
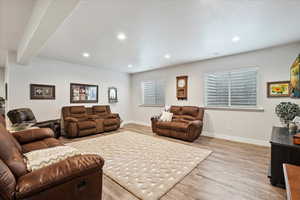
111 121
75 178
81 121
186 124
77 122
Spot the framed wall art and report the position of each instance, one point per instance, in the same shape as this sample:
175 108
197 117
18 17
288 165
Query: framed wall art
83 93
278 89
295 78
42 92
112 95
182 87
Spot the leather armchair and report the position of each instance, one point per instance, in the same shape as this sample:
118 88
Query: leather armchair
77 122
25 115
76 178
186 124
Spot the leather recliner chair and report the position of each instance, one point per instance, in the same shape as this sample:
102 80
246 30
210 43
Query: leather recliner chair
25 115
111 121
75 178
186 124
78 123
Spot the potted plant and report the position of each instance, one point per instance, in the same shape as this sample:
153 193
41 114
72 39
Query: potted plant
287 111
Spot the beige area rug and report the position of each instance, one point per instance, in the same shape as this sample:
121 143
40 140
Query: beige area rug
146 166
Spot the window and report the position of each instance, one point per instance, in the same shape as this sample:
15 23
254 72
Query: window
153 93
236 88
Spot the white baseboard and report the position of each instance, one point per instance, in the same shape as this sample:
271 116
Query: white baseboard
136 122
237 139
219 136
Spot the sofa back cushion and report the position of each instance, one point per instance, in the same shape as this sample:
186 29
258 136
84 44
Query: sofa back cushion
176 110
10 153
7 182
74 111
189 113
21 115
101 110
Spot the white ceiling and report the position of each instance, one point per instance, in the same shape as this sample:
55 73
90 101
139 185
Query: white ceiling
14 15
189 30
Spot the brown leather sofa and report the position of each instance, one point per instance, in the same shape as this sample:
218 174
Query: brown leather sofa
81 121
186 124
76 178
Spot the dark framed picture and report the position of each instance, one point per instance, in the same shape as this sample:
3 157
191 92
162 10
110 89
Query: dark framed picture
83 93
39 91
278 89
112 95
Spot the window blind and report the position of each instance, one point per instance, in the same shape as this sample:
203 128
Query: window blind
232 88
153 93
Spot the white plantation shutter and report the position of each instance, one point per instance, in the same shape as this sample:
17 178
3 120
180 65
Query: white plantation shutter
233 88
153 93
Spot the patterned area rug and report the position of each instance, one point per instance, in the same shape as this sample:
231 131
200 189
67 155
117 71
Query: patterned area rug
146 166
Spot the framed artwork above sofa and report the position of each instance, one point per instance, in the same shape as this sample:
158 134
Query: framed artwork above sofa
39 91
83 93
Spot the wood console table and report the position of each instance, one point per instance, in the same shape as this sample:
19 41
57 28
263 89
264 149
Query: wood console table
292 180
283 150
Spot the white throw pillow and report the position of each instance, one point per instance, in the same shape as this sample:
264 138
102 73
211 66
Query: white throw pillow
166 116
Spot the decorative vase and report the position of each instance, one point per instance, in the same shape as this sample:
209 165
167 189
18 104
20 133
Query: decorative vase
292 128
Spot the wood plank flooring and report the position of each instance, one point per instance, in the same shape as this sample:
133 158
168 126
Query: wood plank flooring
234 171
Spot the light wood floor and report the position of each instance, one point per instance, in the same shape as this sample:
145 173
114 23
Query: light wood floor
234 171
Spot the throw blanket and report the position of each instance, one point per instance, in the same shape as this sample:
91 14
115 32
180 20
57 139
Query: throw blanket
45 157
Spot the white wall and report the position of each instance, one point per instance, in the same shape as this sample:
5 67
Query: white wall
61 74
249 126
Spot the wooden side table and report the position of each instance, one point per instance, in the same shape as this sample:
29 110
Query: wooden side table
292 181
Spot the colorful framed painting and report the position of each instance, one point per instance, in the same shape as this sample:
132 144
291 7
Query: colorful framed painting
42 92
83 93
278 89
295 78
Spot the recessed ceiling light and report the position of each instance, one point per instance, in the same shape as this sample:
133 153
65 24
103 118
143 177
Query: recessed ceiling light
85 54
121 36
130 66
236 39
167 56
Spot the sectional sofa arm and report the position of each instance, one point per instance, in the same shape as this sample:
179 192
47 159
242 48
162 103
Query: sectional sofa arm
196 123
32 135
113 116
56 174
71 119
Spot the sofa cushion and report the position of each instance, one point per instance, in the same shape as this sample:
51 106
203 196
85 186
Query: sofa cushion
180 126
100 110
108 122
187 117
190 110
176 110
86 124
41 144
77 110
10 154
